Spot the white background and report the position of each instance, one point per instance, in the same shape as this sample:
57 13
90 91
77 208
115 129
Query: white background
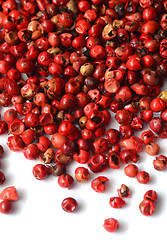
38 214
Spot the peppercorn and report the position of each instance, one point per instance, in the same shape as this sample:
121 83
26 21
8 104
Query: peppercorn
111 224
69 204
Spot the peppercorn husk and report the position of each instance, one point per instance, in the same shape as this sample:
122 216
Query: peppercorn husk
86 69
163 95
47 156
72 6
54 51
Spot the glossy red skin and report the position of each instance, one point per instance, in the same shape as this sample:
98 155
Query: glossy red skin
17 51
157 125
31 152
66 39
45 119
160 163
124 94
16 127
83 5
24 65
47 108
9 22
111 224
106 117
70 72
129 155
126 131
100 131
131 170
68 147
3 127
66 128
147 61
23 108
69 205
40 171
123 52
47 25
137 123
6 206
146 115
40 99
81 157
101 145
151 195
157 105
147 137
68 101
65 20
1 151
113 136
132 143
29 90
147 207
164 115
97 163
50 129
53 39
84 144
43 143
9 193
82 174
98 184
97 52
42 43
140 89
57 140
28 136
133 63
150 27
89 108
82 99
12 87
115 106
87 134
116 202
2 178
13 74
123 117
55 69
31 120
4 66
44 58
82 26
65 181
143 177
15 143
78 42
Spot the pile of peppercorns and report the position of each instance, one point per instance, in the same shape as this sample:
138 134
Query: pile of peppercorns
81 60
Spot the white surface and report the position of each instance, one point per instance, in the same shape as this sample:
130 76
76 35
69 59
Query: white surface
38 213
